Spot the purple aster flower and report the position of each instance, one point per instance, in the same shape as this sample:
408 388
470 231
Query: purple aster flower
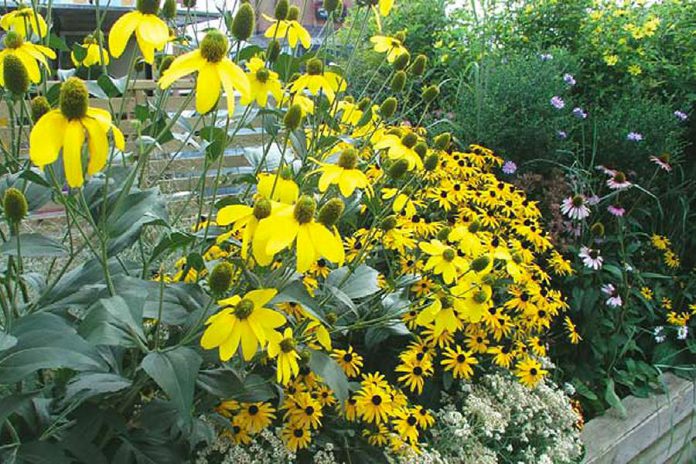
509 167
569 79
634 137
557 102
562 135
546 57
579 113
680 115
593 200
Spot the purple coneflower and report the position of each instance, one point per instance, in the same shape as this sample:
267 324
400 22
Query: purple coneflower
557 102
591 258
605 170
634 137
618 181
569 79
662 161
616 210
575 207
614 299
509 167
680 115
579 113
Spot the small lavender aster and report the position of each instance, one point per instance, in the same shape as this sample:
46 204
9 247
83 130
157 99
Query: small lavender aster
680 115
579 113
557 102
634 137
509 167
569 79
562 135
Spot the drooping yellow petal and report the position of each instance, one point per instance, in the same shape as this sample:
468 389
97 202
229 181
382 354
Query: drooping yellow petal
229 347
306 252
249 343
207 88
119 140
72 153
181 66
101 115
146 48
30 64
262 296
218 331
121 31
278 232
46 138
326 243
153 30
232 213
270 318
97 144
239 77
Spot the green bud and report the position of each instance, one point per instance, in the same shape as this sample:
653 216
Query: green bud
315 67
388 223
348 159
244 22
443 234
13 40
293 13
147 6
293 117
74 98
286 173
447 301
418 66
402 61
262 75
398 82
165 63
262 208
474 227
15 205
431 162
409 140
480 297
15 74
304 209
169 9
305 356
388 108
281 10
220 278
430 93
398 168
480 263
349 99
331 212
364 103
39 107
189 3
332 5
421 148
287 345
442 141
273 50
214 46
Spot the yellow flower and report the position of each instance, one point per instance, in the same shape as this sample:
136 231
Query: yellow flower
385 6
297 223
318 81
660 242
647 293
389 45
460 362
150 31
611 60
304 411
296 437
245 218
31 56
344 174
634 70
290 29
278 187
284 348
401 148
406 424
215 71
350 361
374 404
254 417
442 314
24 21
242 320
443 260
66 127
94 54
529 372
414 373
262 81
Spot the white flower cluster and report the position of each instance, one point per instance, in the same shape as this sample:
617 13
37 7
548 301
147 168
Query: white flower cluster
266 448
500 420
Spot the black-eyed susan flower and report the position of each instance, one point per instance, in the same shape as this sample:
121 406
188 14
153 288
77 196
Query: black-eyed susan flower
242 321
350 361
296 437
392 46
459 362
344 174
215 71
67 127
31 55
374 404
304 411
150 31
414 372
406 424
254 417
283 347
529 371
94 54
318 81
262 82
25 22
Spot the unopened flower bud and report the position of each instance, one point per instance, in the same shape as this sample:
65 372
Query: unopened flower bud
74 98
262 208
165 63
220 278
281 10
442 141
169 9
409 140
597 229
39 107
402 61
480 263
430 93
388 223
15 74
474 227
364 103
421 148
293 117
418 66
244 22
293 13
398 168
15 205
273 50
400 36
331 212
398 82
304 209
443 234
431 162
388 108
147 6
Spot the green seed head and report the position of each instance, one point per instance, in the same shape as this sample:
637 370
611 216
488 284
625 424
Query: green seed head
431 162
13 40
189 3
315 67
244 309
74 98
364 103
15 74
147 6
449 254
262 208
244 22
443 234
287 345
262 75
402 61
446 301
273 50
15 205
388 108
480 263
165 63
39 107
398 82
220 278
409 140
331 212
304 209
281 10
332 5
398 168
169 9
480 297
388 223
442 141
421 148
474 227
348 158
293 13
214 46
431 93
418 66
293 117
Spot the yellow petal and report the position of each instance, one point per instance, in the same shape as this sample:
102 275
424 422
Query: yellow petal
326 243
217 332
46 138
207 88
30 64
121 31
97 144
249 344
306 251
180 67
240 81
277 232
119 140
146 48
232 213
262 296
270 318
153 31
229 347
72 153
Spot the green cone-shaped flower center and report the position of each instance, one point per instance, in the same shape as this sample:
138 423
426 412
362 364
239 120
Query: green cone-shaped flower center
262 75
578 201
262 208
244 309
74 98
214 46
148 6
13 40
447 302
480 297
348 159
448 255
409 140
315 67
304 209
287 345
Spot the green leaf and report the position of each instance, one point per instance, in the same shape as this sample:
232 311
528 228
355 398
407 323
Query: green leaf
57 43
175 372
116 320
170 242
33 245
95 90
89 384
613 399
80 52
327 368
45 341
7 341
583 389
360 283
12 403
217 139
112 87
130 215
